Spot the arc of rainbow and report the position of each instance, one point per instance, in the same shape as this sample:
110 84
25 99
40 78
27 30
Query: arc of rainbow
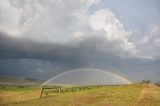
73 70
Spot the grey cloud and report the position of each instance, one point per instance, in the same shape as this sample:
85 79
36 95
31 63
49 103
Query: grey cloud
25 57
23 48
90 47
59 21
149 41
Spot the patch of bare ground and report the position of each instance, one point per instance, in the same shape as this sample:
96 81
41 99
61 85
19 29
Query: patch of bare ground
149 96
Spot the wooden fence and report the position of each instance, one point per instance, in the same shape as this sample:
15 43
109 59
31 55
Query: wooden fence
45 90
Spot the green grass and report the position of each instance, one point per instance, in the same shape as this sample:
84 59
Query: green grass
128 95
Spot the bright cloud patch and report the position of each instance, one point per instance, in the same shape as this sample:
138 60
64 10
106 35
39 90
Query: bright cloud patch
105 21
42 20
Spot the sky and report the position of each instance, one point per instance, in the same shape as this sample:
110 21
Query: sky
42 38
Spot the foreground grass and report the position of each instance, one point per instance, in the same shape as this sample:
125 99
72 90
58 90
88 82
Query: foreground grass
14 94
128 95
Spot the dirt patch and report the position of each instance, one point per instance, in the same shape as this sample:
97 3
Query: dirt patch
149 96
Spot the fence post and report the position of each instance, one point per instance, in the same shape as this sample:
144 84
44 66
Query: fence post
41 93
59 90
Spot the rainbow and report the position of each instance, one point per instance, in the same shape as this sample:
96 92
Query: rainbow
89 69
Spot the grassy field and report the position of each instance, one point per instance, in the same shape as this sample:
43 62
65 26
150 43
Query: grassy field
127 95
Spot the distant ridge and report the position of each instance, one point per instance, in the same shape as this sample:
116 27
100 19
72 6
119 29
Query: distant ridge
10 80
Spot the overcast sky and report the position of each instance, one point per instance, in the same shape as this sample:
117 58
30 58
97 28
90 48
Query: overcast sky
43 38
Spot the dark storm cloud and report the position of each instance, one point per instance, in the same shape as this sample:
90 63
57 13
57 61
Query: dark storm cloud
89 48
11 47
44 60
53 58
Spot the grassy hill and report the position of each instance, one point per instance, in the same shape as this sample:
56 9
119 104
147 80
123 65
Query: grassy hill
8 79
124 95
15 81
